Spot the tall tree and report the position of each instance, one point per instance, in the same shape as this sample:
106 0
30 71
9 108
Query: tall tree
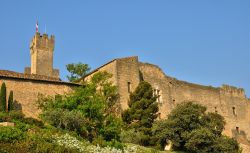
10 101
3 97
142 111
77 71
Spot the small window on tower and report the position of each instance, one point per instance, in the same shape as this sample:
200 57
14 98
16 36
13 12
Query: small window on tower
234 111
215 110
129 87
237 129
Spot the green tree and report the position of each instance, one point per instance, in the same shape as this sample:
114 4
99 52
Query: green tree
191 129
90 110
3 97
77 71
142 111
10 101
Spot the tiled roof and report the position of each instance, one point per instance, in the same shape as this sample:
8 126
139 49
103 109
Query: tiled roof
35 77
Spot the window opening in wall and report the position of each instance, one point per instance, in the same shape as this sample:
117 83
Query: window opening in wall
215 110
158 98
129 87
237 129
234 111
156 93
159 115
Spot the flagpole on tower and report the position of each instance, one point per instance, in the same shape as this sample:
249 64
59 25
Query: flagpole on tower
36 26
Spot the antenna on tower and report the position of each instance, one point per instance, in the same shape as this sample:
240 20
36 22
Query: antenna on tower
45 29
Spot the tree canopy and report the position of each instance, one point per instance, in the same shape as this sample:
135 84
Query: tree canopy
191 129
77 71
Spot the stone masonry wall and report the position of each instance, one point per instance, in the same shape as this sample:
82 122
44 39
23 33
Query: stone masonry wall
124 71
41 52
228 101
26 92
127 75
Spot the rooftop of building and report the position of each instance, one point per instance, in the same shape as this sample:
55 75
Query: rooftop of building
32 77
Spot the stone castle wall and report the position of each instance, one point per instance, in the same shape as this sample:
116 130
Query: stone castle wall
109 67
228 101
124 71
26 92
128 78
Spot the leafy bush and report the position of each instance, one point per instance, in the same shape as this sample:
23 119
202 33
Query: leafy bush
131 136
90 110
65 119
4 117
18 115
10 134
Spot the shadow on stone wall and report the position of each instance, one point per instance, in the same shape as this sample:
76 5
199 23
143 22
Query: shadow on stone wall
17 105
240 136
141 76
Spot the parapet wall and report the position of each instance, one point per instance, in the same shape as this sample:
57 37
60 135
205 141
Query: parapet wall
43 42
234 91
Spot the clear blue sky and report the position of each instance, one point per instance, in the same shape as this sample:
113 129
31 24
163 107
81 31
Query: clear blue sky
205 42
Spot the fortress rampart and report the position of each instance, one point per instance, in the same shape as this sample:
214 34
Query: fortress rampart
226 100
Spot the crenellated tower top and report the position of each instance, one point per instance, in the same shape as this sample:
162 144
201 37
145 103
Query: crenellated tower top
41 53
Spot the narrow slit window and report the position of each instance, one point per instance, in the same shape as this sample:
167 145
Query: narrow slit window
234 111
237 129
159 115
215 110
129 87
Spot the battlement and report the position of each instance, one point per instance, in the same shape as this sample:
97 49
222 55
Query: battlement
43 42
234 91
41 53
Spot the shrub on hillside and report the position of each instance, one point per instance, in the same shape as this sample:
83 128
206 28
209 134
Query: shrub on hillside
90 110
10 134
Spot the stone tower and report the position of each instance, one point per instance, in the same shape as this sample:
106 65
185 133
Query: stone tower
41 53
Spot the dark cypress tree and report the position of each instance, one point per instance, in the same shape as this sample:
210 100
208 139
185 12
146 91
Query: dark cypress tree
10 101
142 111
3 98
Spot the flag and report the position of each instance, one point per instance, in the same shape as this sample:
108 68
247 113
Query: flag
36 26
